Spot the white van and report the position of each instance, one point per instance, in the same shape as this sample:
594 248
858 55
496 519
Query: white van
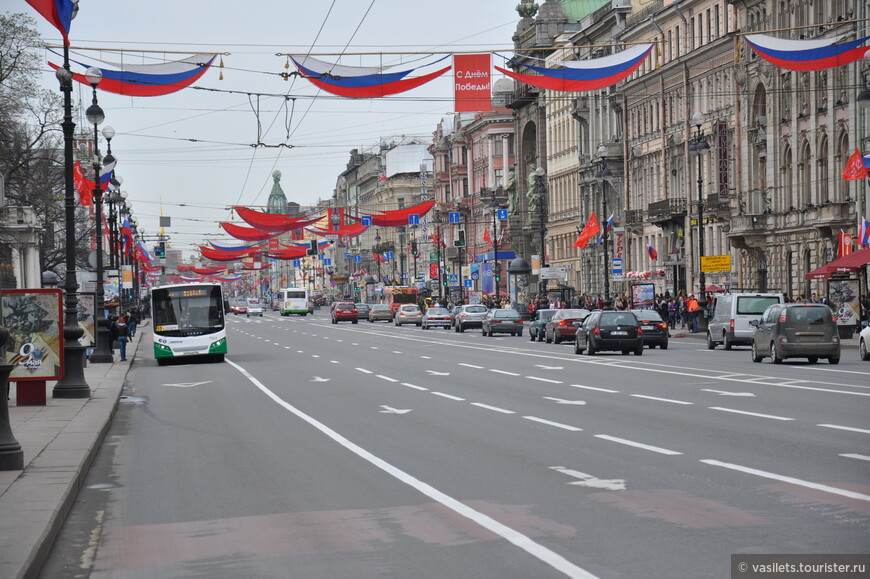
732 313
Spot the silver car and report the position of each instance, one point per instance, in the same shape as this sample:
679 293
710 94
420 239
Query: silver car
469 316
408 314
437 318
380 312
502 321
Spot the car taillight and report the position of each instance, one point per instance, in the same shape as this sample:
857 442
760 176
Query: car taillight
836 340
596 332
518 321
463 315
563 323
640 331
662 325
782 318
731 325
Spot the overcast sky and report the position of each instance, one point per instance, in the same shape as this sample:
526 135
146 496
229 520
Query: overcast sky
196 182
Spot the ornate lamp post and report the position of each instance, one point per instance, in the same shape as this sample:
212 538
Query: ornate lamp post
73 383
102 350
603 176
380 255
495 269
541 200
698 147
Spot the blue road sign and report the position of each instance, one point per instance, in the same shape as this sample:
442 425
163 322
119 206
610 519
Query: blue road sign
388 255
366 220
502 214
326 260
453 279
454 217
467 283
616 266
357 258
297 263
413 219
347 255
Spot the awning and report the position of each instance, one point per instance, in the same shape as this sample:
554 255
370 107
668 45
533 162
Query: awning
848 264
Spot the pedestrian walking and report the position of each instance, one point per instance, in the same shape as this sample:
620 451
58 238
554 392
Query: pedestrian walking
122 334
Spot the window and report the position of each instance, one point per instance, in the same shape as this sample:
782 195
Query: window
499 177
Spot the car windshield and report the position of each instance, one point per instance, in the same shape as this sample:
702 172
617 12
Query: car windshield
410 309
380 307
438 312
506 314
346 307
476 309
572 314
546 314
618 319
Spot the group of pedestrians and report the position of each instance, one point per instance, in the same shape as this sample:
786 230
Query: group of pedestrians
123 329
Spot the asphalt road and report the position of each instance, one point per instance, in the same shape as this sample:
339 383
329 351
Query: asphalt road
324 451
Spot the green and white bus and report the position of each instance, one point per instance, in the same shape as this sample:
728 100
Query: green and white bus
188 322
293 300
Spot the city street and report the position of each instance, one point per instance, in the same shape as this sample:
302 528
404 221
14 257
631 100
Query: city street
368 450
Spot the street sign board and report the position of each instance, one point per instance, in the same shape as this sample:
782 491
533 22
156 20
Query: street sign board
553 272
716 263
413 219
616 266
357 258
366 220
468 283
454 217
453 279
502 214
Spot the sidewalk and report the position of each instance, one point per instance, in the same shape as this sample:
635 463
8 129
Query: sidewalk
59 440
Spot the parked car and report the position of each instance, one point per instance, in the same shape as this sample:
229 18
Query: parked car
655 329
864 343
563 325
362 311
380 312
732 313
469 316
502 321
344 312
437 318
796 331
539 321
408 314
254 308
609 330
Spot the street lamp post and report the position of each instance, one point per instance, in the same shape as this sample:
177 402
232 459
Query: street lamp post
495 269
698 147
73 383
402 256
603 176
540 198
380 255
102 351
436 221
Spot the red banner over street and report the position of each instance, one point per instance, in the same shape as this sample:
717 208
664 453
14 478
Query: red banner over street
472 82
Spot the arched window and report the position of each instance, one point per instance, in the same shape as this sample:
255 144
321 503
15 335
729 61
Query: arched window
822 185
804 191
841 154
782 201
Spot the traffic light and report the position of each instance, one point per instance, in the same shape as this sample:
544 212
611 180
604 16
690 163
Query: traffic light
312 249
414 248
160 249
460 242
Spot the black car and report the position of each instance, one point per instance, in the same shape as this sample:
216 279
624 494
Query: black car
655 329
609 330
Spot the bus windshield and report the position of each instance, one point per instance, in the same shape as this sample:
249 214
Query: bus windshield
193 311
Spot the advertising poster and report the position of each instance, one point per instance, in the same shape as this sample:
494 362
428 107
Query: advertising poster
843 297
85 317
643 296
35 322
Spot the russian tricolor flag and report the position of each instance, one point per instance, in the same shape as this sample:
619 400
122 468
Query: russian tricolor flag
58 12
805 55
864 233
608 228
651 252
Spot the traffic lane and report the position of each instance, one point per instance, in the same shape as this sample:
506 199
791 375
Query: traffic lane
404 440
216 463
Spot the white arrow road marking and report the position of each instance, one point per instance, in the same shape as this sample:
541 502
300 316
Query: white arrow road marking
587 480
188 384
549 367
391 410
561 401
319 379
436 373
725 393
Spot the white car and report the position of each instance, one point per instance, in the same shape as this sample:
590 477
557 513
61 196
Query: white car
408 314
864 343
254 308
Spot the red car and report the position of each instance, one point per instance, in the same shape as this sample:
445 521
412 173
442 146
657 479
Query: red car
563 325
345 312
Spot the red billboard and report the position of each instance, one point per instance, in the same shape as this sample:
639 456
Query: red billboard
472 82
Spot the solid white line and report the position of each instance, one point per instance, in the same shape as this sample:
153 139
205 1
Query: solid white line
849 428
550 423
856 456
364 371
494 408
471 366
387 378
414 386
638 444
514 537
544 380
788 479
504 372
660 399
594 388
758 414
450 396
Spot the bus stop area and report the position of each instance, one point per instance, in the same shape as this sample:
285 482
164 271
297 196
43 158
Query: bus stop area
59 441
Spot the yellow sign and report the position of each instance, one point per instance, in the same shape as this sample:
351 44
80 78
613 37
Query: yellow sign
716 263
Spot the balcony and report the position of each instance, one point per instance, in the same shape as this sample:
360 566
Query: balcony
661 212
634 217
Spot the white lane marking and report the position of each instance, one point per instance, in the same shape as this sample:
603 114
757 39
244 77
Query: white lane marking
396 352
300 352
563 401
319 379
354 344
450 396
426 357
391 410
543 367
387 378
726 393
374 347
547 380
471 366
638 445
334 362
437 373
187 384
514 537
660 399
856 456
587 480
823 369
315 355
364 371
414 386
758 414
788 479
493 408
595 388
551 423
849 428
286 347
505 372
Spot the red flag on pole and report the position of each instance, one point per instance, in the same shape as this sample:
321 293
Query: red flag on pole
486 237
589 230
844 244
855 169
